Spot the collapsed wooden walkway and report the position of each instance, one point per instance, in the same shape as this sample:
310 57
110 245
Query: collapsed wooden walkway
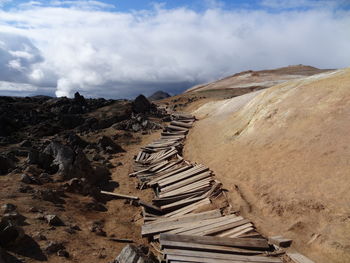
181 223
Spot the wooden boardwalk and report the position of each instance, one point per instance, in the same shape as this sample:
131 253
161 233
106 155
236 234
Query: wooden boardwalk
180 223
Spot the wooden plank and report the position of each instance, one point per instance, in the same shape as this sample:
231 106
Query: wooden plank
253 243
190 208
238 259
191 217
280 241
170 245
234 230
187 181
205 187
206 223
299 258
181 124
178 177
151 229
167 200
151 208
176 128
181 203
217 227
246 230
181 169
122 196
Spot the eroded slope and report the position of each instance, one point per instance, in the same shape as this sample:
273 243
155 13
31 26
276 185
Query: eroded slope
284 152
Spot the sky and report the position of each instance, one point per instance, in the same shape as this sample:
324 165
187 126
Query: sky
119 49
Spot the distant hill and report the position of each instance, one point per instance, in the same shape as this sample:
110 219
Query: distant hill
259 79
159 95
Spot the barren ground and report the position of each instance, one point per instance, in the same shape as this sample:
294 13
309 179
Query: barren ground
284 156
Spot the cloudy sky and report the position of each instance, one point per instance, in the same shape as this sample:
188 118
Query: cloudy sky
118 49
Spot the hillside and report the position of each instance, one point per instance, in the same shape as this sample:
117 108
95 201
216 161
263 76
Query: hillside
283 154
259 79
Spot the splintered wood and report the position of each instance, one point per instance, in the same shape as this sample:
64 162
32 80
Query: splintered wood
182 221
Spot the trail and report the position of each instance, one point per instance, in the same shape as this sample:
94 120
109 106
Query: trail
190 218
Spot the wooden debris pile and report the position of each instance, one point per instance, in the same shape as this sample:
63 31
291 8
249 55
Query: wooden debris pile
181 221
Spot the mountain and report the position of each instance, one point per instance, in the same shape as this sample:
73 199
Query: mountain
159 95
283 154
259 79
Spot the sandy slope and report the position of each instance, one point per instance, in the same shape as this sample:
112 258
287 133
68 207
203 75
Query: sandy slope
259 79
284 154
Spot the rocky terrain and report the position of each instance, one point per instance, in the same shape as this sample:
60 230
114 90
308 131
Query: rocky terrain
56 155
282 152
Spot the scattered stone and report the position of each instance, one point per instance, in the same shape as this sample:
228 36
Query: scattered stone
96 206
131 254
39 236
54 220
53 247
27 179
62 253
25 144
8 208
109 146
25 189
45 178
10 232
97 228
6 164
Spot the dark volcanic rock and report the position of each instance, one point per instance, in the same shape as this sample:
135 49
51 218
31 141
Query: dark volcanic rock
131 254
5 164
54 220
142 105
159 95
79 99
53 247
109 146
63 157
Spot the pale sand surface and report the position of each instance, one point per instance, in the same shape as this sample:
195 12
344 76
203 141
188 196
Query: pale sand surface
287 148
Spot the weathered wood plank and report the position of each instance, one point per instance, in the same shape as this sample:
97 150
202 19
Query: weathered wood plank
235 259
151 229
253 243
299 258
280 241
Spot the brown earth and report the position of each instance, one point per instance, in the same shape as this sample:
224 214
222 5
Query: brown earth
284 155
122 219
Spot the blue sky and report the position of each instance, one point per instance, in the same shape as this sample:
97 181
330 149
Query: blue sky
122 48
201 5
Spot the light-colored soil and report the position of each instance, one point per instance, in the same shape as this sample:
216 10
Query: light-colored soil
255 79
284 155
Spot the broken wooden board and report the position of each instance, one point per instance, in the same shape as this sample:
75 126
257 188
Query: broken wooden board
253 243
280 241
299 258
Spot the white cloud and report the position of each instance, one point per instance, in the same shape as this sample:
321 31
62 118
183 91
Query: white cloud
121 54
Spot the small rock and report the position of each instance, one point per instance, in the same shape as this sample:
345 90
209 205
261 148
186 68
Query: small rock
26 179
45 178
25 189
97 228
96 206
62 253
54 247
54 220
38 236
8 208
